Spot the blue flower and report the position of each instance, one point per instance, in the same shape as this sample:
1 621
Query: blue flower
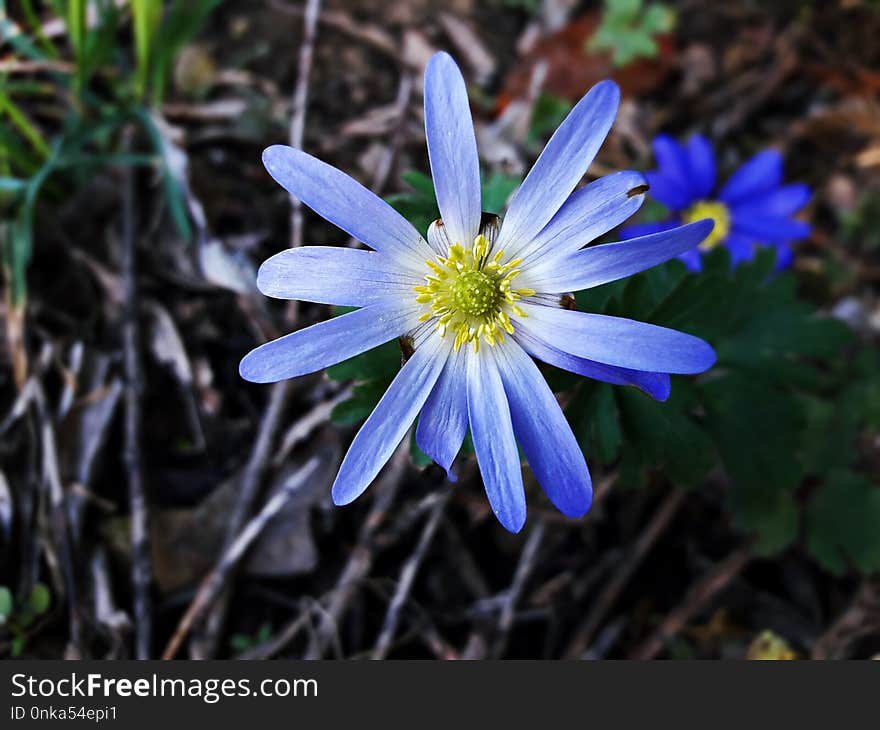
752 209
478 300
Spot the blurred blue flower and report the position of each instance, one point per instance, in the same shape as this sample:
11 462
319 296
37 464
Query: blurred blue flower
478 300
753 208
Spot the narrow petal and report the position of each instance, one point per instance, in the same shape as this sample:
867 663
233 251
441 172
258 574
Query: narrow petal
444 419
673 193
672 158
588 213
761 174
693 259
388 423
646 229
742 248
327 343
768 229
617 341
784 256
438 238
346 203
657 385
611 261
452 149
561 165
494 442
330 275
785 201
701 164
543 433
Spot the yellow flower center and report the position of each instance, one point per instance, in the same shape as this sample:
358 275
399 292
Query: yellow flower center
469 294
717 212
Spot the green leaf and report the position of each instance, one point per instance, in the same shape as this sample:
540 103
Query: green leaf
663 435
6 604
770 514
832 428
497 189
595 421
381 362
362 402
841 524
418 457
756 426
40 599
547 115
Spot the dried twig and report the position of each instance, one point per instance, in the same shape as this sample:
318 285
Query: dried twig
620 577
58 521
371 35
861 619
141 565
361 559
401 102
215 581
251 479
523 571
300 102
407 576
699 595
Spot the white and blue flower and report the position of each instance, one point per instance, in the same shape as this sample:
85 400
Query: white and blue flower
478 300
752 209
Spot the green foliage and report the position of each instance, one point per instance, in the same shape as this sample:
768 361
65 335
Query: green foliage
17 616
242 642
783 409
109 87
547 115
841 523
628 29
531 6
419 207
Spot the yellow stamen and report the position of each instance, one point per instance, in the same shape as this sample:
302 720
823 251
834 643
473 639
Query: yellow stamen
715 211
470 296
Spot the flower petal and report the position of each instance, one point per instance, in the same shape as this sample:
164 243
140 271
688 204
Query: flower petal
785 201
388 423
617 341
611 261
761 174
742 248
701 165
346 203
768 229
784 256
494 442
331 275
444 419
668 190
452 149
693 259
561 165
657 385
672 159
543 433
327 343
589 212
646 229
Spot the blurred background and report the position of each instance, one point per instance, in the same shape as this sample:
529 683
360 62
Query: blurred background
154 504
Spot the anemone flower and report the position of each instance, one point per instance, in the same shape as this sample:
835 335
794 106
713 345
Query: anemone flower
752 209
477 301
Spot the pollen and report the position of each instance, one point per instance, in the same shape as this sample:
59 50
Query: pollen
715 211
470 296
